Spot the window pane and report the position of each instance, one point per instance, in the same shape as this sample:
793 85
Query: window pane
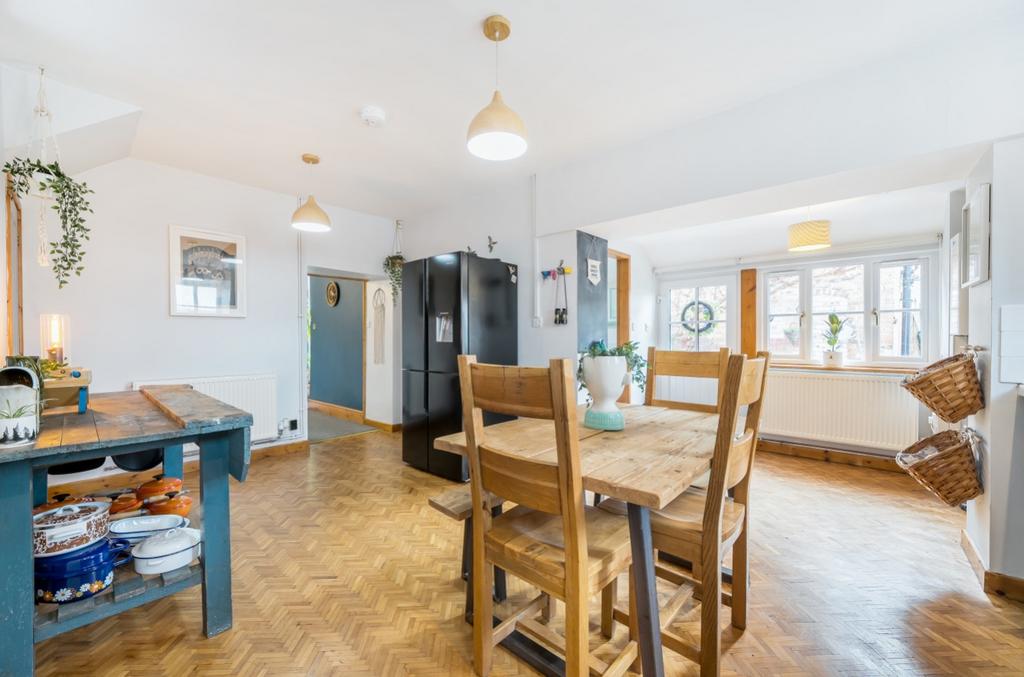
784 335
899 334
851 338
713 338
784 294
679 299
682 339
836 289
715 299
900 286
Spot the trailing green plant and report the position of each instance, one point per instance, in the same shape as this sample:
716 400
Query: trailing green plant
393 269
834 327
71 205
636 365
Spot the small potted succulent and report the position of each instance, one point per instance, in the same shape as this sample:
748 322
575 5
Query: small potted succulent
604 372
833 357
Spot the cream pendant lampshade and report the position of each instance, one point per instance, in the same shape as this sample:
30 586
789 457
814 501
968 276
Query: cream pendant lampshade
497 132
310 217
808 236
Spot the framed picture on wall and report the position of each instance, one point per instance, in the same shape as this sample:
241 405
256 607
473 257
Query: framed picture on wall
207 273
974 243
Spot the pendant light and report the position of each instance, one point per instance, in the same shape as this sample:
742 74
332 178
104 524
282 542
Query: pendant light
310 217
497 132
808 236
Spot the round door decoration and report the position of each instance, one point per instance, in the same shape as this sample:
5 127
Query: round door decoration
333 293
697 316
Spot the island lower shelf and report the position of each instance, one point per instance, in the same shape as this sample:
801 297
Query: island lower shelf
128 591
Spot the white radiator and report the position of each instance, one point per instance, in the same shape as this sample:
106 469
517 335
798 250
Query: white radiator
256 394
854 410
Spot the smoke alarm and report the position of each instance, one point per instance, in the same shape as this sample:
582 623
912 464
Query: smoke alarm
373 116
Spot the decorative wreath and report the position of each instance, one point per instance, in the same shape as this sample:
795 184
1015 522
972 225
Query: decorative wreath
703 314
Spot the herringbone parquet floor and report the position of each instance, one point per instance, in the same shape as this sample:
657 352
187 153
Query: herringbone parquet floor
341 568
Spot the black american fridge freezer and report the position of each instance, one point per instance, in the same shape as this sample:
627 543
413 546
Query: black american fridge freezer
451 304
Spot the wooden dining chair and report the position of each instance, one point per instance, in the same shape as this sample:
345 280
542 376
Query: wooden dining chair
701 526
688 364
551 539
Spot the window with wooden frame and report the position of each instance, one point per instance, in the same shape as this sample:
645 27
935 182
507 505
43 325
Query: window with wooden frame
883 302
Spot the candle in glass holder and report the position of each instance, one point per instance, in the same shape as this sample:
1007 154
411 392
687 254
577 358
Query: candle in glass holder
53 336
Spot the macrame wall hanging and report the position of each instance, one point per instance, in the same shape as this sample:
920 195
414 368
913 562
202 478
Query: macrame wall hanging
378 326
42 117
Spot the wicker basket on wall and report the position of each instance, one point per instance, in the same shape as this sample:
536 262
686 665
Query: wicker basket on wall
944 464
949 387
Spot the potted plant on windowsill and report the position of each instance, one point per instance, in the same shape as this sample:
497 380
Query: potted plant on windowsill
833 358
604 372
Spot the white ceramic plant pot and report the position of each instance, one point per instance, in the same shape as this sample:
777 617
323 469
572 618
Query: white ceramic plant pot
23 429
604 377
833 359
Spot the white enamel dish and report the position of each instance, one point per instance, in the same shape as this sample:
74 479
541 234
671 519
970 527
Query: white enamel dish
167 551
137 529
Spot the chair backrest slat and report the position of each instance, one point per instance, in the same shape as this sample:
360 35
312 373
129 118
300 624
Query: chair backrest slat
532 483
513 391
687 364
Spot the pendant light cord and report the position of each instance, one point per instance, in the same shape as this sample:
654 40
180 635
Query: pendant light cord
496 43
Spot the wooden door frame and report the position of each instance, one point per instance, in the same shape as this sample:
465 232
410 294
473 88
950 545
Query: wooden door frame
13 248
338 411
622 289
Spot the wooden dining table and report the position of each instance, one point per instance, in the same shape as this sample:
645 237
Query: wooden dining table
649 463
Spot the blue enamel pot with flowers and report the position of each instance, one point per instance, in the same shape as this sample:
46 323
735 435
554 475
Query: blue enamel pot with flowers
81 573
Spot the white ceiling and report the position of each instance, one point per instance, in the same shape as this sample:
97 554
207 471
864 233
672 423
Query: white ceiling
920 211
240 88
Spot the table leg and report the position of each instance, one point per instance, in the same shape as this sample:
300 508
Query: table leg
40 477
174 465
17 609
213 488
648 623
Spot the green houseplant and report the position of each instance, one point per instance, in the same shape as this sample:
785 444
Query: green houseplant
393 269
832 357
604 371
71 205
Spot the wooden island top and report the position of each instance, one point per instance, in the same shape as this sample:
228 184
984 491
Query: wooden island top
152 414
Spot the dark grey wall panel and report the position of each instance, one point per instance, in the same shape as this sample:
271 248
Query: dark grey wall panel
592 299
336 344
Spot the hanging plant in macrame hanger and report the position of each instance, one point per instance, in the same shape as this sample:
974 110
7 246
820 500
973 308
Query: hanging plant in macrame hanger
393 264
53 185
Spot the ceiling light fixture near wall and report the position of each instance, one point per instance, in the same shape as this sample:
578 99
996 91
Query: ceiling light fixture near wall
310 217
808 236
497 132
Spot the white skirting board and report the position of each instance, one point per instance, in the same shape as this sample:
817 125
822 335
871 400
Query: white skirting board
868 411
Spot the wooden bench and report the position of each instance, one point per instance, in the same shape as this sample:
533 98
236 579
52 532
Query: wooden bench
457 503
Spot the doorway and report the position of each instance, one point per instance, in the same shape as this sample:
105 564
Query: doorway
337 357
618 304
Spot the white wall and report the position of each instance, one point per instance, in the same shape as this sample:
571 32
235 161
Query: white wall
383 391
996 519
120 324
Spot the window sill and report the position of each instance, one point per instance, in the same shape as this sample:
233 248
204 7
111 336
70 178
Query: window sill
845 369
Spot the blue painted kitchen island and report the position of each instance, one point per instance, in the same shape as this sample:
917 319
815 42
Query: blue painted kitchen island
117 423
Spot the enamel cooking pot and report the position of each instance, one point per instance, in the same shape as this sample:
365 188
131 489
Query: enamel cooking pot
69 527
83 573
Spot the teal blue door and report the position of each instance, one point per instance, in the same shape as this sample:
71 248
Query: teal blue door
336 342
